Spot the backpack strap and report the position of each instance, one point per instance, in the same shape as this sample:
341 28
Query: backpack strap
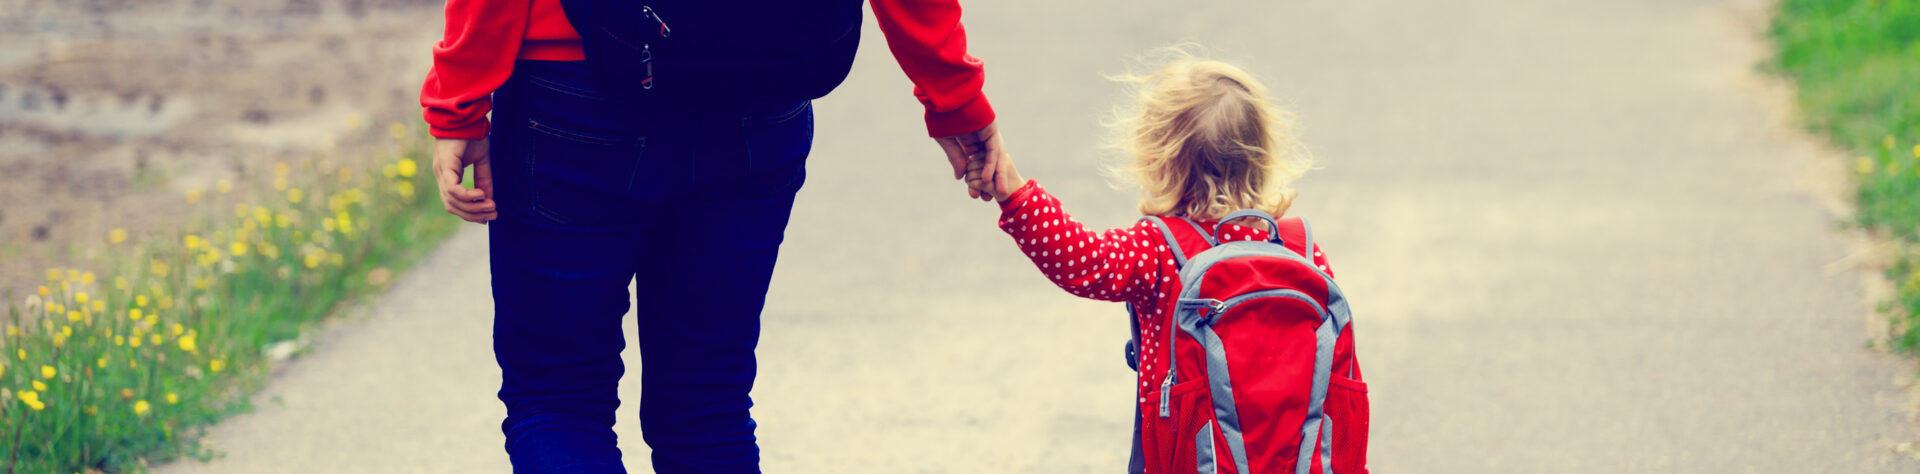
1274 226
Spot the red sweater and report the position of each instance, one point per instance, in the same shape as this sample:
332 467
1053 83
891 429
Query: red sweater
1131 264
484 37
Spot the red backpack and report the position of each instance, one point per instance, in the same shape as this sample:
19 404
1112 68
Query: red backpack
1263 378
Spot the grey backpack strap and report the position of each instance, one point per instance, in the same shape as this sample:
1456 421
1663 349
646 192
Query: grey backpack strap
1137 460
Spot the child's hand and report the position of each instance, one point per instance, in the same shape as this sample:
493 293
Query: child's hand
1007 179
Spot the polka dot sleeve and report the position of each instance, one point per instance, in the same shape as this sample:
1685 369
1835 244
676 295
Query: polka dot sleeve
1121 264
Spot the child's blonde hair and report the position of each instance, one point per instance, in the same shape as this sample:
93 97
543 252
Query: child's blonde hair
1206 140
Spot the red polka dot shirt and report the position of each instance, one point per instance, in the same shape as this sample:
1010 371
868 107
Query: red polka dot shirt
1129 264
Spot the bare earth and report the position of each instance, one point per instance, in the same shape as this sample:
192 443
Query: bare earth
1576 237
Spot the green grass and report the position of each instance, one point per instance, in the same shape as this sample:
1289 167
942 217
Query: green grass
114 368
1857 67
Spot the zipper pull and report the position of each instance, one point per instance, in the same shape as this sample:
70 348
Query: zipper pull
646 58
664 30
1166 395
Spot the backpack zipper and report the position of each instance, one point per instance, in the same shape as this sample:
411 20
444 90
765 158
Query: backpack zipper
651 15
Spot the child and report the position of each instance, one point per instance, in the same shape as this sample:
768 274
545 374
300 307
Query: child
1206 140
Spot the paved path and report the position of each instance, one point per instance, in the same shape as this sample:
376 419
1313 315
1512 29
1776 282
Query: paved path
1574 239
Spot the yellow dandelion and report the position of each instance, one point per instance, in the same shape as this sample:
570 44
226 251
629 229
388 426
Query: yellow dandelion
66 331
281 169
389 171
166 301
406 167
177 329
90 410
193 196
140 300
86 278
329 224
43 290
73 274
47 372
102 363
120 283
80 297
216 365
22 353
99 306
141 407
239 249
37 385
54 274
280 183
192 241
119 340
134 314
397 130
295 195
74 316
59 341
172 399
32 399
134 341
158 268
186 343
281 220
117 236
157 340
225 186
405 189
3 369
126 394
313 260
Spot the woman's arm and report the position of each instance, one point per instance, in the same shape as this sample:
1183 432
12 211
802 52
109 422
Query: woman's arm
1121 264
474 58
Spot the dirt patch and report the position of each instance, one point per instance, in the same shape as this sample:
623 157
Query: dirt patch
112 110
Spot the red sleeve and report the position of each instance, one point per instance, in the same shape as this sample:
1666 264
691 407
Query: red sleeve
1121 264
930 44
474 58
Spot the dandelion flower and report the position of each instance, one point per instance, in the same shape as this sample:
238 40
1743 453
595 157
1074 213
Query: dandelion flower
86 278
141 407
405 189
117 236
102 362
159 268
66 331
140 300
192 241
186 343
126 394
134 342
134 314
172 399
216 365
80 297
74 316
239 249
177 329
280 183
3 369
328 224
406 168
32 399
43 290
119 340
157 340
280 169
99 306
295 195
53 274
313 260
47 372
225 186
193 196
37 385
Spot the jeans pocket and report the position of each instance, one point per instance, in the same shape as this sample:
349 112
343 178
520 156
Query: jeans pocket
778 139
580 178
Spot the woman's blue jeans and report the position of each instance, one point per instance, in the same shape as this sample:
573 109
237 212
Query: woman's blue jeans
690 201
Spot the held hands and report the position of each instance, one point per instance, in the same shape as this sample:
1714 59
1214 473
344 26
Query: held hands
450 160
1009 178
981 158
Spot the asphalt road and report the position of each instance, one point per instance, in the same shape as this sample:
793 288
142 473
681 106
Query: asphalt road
1575 236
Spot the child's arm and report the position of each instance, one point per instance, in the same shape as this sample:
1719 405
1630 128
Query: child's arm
1116 265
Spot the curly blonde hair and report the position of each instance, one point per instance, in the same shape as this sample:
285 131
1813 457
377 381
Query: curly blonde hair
1207 140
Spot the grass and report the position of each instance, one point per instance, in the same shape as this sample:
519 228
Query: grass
111 369
1857 67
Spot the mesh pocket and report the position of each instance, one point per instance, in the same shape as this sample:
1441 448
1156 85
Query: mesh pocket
1168 443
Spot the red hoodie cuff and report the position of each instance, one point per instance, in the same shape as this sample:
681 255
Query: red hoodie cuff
472 131
977 114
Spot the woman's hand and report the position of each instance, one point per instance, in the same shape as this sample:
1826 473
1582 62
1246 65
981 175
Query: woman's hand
450 160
